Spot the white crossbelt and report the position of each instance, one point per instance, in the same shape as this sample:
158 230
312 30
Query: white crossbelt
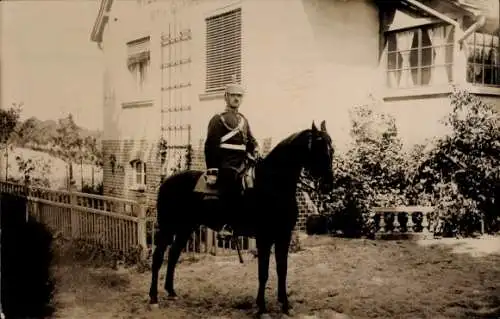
237 147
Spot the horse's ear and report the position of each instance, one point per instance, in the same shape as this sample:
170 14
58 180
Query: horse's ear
314 128
323 126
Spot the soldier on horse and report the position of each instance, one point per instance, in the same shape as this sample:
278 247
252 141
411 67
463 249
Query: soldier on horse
229 147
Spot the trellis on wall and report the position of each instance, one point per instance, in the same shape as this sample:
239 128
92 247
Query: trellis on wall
175 96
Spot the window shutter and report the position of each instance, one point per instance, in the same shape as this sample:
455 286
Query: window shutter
223 50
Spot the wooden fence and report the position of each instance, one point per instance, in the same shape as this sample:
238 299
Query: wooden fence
123 225
117 224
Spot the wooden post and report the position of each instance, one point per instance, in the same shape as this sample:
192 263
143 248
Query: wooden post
208 240
81 172
141 226
216 242
27 205
73 213
482 224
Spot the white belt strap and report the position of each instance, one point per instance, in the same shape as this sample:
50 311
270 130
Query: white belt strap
238 147
233 132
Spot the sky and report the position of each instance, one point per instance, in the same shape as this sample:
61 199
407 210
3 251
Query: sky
48 61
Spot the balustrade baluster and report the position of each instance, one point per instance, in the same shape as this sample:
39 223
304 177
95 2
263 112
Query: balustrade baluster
409 223
382 222
396 225
425 225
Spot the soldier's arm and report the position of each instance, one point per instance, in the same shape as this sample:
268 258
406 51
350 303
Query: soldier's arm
212 142
252 144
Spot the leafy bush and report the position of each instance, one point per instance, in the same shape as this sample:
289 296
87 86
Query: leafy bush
93 189
9 119
27 280
460 175
33 171
371 173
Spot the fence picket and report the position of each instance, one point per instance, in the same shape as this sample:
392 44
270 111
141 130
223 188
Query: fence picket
120 224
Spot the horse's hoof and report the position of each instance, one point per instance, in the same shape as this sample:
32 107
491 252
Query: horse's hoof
154 306
172 297
153 301
287 313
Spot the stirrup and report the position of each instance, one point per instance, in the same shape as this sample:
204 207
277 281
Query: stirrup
225 232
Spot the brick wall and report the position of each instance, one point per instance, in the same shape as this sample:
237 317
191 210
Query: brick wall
116 181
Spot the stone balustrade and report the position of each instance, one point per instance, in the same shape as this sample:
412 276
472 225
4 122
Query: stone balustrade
405 221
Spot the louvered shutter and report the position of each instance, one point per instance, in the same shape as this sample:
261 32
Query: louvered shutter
223 50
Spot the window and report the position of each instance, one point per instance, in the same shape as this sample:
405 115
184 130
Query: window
420 56
139 168
138 60
223 50
483 61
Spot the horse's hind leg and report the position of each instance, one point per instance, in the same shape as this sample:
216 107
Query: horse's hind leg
173 257
158 258
264 253
281 256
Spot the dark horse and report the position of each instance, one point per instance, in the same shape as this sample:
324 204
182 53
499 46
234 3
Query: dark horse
268 211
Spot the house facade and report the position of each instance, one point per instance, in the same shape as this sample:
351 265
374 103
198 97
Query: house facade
167 63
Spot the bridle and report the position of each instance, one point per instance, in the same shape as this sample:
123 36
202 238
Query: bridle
306 184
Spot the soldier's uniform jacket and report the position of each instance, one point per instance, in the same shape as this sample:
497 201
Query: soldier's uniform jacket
229 139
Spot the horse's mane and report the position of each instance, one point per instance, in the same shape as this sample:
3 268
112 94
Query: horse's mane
287 142
273 173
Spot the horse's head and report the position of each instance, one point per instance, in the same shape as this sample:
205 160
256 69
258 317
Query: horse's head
319 158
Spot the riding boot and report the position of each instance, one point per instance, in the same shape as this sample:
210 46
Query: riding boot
227 212
229 190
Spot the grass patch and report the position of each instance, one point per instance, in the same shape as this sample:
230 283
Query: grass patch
360 278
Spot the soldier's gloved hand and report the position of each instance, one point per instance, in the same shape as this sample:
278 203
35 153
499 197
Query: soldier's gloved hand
256 153
251 157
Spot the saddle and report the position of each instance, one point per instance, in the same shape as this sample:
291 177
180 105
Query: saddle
206 184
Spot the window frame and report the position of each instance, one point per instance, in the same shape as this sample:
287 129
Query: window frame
420 48
494 66
139 169
139 61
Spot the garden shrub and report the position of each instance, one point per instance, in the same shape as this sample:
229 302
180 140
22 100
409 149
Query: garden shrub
27 281
317 224
460 174
371 173
97 189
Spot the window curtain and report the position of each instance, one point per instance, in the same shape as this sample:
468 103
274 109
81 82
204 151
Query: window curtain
393 61
478 57
439 36
496 60
404 42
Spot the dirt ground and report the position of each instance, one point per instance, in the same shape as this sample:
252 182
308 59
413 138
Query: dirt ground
329 278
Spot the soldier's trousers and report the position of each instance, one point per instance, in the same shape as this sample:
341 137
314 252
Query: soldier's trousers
229 186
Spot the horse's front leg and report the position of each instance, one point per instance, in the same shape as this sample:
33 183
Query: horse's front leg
263 255
281 255
173 257
158 257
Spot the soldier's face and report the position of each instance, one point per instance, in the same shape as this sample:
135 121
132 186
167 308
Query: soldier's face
234 100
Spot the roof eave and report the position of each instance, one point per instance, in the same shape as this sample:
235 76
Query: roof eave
101 20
